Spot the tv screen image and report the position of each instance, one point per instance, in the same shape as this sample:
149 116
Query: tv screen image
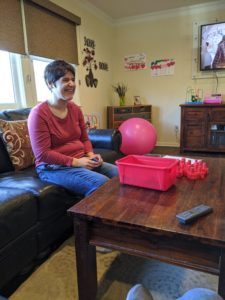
212 46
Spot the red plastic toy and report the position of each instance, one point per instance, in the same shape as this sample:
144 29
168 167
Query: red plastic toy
192 170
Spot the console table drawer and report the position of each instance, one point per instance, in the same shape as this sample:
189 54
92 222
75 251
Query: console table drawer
117 124
193 142
122 110
121 117
138 109
194 115
194 131
217 115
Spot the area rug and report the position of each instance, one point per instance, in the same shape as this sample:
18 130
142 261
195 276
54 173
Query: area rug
56 278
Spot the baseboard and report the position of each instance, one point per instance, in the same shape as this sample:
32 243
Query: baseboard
164 144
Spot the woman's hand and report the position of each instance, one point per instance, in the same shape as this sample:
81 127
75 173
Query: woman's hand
88 162
95 157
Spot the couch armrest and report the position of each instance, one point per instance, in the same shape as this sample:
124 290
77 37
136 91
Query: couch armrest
105 138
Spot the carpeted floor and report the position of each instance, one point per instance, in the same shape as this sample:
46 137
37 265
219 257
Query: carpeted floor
56 278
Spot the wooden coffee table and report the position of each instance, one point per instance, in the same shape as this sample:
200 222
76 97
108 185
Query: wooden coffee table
142 222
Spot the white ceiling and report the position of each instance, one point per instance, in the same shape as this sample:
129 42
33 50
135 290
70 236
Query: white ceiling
118 9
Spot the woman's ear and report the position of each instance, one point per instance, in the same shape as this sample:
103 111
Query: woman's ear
50 85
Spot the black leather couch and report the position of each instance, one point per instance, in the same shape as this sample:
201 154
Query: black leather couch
33 214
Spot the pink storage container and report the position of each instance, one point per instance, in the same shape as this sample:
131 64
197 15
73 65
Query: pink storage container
150 172
212 101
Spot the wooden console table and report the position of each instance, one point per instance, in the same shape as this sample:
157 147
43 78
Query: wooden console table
143 222
116 115
202 127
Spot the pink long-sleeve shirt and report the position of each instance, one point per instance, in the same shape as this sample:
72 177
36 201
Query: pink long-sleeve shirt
57 141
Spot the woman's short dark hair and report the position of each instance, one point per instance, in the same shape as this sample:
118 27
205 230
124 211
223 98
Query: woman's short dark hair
57 69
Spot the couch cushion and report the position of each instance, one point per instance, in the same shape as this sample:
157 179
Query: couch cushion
16 138
52 200
18 212
25 179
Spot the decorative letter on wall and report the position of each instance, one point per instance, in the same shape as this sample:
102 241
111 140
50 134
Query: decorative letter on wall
89 62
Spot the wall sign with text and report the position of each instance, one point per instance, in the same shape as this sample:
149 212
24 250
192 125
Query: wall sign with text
135 62
90 63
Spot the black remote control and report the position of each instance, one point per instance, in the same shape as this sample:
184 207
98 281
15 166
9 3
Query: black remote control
193 213
94 159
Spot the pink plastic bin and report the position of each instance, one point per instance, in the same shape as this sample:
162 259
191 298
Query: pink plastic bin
156 173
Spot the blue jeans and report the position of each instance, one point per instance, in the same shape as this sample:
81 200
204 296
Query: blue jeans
77 180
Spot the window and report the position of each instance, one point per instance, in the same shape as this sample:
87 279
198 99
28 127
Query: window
32 28
7 95
12 93
42 90
22 81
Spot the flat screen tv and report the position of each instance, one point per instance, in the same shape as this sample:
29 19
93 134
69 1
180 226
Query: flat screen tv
212 46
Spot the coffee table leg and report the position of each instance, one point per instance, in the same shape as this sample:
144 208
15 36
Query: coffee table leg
221 287
86 262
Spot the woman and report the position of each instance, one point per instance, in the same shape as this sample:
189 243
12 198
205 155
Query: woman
63 152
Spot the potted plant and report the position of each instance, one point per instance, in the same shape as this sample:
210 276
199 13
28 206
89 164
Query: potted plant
120 89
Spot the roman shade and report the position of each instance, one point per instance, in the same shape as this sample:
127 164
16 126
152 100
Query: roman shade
11 27
39 28
50 30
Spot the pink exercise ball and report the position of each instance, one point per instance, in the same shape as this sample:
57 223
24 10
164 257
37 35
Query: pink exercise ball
138 136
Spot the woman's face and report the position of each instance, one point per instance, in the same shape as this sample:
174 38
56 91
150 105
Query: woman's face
65 87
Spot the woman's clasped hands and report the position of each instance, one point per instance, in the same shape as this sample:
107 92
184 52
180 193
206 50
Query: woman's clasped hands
90 162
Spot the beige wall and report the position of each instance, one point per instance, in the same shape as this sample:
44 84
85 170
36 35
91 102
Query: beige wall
93 99
167 35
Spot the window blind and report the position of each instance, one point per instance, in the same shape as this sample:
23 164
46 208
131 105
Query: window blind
50 31
11 28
